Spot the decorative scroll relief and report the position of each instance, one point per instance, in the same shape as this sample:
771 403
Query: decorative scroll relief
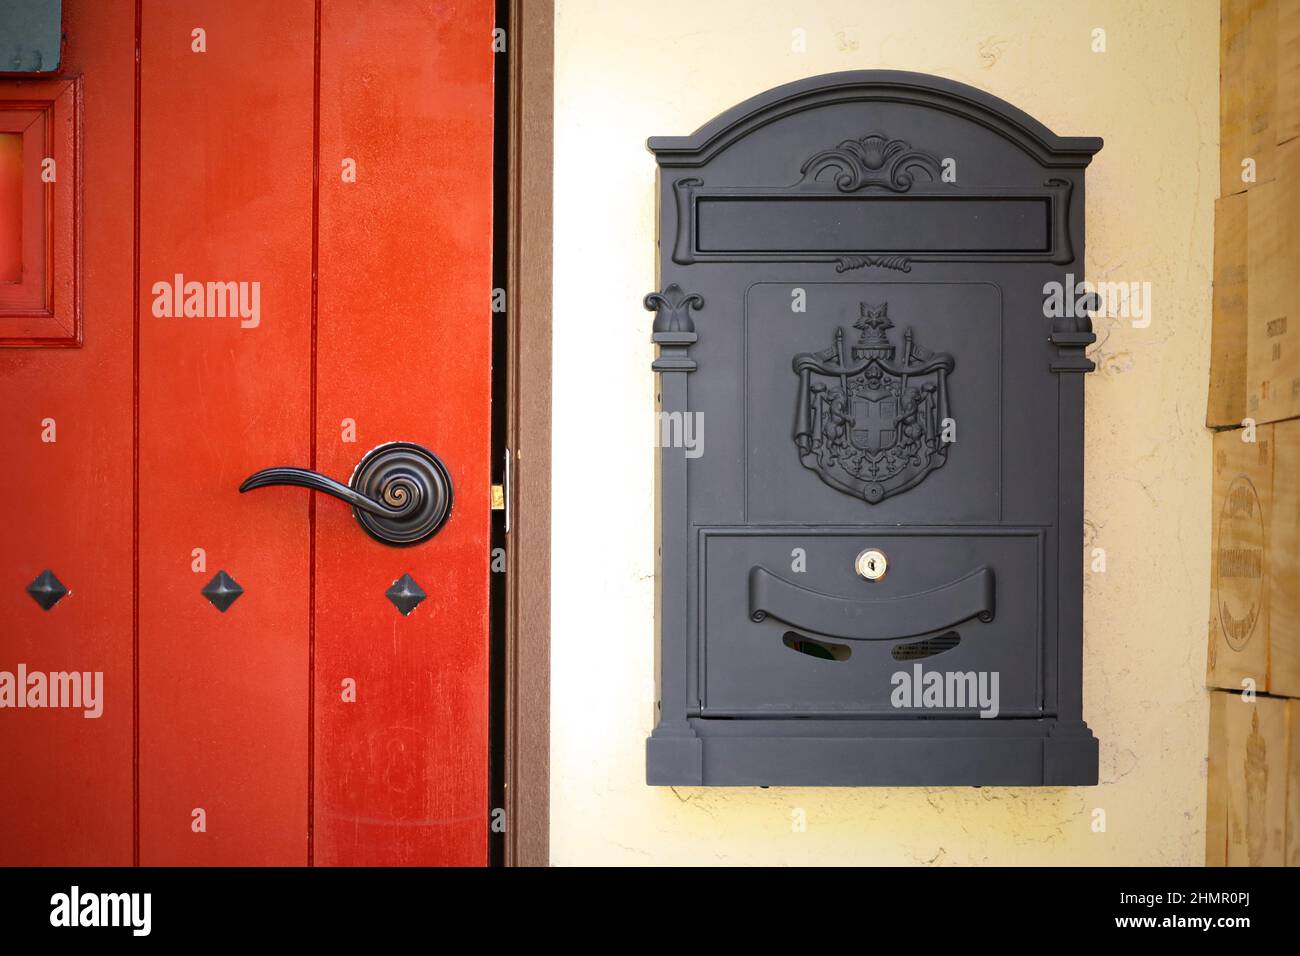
873 160
868 419
897 263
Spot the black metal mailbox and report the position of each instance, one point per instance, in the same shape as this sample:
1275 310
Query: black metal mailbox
871 475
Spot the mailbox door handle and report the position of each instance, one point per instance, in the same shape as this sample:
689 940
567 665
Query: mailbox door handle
884 619
400 492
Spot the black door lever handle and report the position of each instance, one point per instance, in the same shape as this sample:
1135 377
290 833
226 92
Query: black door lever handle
318 482
400 492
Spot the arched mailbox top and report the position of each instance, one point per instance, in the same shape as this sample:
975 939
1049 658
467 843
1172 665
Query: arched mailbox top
897 86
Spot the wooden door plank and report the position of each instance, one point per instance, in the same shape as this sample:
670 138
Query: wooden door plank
66 505
226 196
404 352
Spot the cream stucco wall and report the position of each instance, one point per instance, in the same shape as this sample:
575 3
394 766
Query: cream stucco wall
628 70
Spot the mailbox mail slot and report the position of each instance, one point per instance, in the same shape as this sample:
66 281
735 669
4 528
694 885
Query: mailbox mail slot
870 565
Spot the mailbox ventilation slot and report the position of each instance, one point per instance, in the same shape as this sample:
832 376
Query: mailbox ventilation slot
822 650
918 650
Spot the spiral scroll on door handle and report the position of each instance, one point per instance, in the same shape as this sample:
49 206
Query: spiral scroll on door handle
400 492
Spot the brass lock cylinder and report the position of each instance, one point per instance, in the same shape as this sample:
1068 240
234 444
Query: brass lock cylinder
871 564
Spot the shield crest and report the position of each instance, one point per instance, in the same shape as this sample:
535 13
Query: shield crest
869 418
875 424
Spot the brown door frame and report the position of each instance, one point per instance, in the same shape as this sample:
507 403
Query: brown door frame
528 436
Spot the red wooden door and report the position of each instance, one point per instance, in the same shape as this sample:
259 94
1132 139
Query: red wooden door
323 171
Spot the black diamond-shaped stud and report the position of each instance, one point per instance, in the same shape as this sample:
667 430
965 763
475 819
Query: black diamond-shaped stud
222 591
405 594
47 590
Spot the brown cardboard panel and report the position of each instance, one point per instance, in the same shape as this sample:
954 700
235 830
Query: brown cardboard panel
1261 88
1233 38
1288 71
1257 769
1248 83
1272 325
1249 800
1293 783
1284 563
1292 856
1216 798
1239 589
1227 399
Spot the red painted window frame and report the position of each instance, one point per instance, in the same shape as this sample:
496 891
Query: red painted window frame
43 309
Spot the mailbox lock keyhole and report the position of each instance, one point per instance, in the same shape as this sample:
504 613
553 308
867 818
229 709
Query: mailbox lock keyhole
871 564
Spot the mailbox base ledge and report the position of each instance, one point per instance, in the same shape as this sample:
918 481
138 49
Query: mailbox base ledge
674 757
1037 756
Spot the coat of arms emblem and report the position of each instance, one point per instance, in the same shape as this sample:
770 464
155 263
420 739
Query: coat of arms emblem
869 420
